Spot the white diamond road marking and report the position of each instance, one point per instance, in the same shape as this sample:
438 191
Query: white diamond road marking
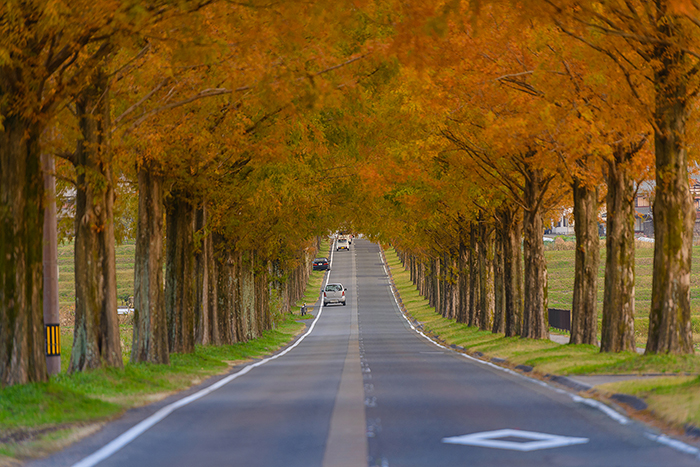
490 439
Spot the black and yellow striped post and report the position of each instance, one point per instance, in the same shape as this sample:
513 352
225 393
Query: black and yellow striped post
53 340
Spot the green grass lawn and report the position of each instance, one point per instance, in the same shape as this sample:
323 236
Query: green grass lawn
560 270
66 274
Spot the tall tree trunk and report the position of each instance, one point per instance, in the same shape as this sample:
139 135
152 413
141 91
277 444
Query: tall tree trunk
202 303
534 325
226 294
674 216
213 291
444 286
618 296
584 311
437 285
414 269
419 277
512 271
499 318
281 286
179 273
247 296
452 299
262 297
486 283
463 281
429 280
474 277
22 357
96 339
412 266
243 281
150 340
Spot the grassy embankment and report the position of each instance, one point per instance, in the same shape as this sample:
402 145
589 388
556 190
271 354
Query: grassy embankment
36 419
674 400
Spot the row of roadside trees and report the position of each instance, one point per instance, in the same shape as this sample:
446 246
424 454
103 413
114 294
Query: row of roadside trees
198 121
237 132
518 107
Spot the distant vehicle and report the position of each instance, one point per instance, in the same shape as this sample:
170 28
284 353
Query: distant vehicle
342 244
333 293
348 238
321 264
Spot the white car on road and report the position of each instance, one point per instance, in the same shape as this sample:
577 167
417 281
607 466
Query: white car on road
334 293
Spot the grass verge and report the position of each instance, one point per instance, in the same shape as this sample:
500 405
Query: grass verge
673 401
35 417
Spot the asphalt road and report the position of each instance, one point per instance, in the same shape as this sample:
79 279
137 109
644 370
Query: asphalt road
364 388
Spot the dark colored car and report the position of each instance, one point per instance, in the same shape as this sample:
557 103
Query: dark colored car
321 264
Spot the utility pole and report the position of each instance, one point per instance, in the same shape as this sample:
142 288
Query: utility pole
51 316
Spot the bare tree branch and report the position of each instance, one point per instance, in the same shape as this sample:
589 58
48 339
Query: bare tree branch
141 101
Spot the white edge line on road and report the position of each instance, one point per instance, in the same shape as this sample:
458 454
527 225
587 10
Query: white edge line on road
134 432
621 419
675 444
